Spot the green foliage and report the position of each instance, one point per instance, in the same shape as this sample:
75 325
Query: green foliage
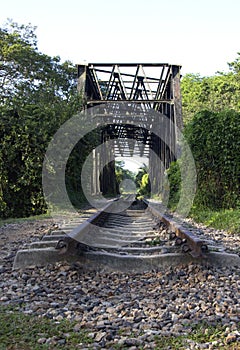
123 174
214 139
226 219
211 111
145 185
142 181
174 183
142 170
19 331
37 95
28 76
216 93
191 86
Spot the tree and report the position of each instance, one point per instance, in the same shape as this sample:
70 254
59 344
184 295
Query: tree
142 181
28 76
216 93
191 86
214 142
235 65
122 173
37 94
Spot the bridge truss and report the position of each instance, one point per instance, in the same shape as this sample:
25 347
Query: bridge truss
136 99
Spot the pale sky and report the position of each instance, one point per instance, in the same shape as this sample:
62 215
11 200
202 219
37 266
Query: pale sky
202 35
133 163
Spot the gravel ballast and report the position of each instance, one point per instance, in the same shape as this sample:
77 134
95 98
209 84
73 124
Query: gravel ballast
128 309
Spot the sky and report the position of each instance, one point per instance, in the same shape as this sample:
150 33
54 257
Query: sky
133 163
202 36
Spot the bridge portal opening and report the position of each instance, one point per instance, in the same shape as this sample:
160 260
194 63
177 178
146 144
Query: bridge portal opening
129 172
139 110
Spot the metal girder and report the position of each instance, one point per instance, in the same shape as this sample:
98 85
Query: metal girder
147 84
133 100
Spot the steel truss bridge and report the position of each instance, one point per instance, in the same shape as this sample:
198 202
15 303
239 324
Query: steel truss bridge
140 112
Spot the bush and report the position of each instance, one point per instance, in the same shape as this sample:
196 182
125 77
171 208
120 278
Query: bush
214 139
145 187
174 179
38 94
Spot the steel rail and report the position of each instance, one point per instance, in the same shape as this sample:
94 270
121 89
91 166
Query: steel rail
74 240
192 244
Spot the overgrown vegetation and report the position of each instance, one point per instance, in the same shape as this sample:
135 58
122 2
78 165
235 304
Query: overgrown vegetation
212 129
122 175
38 93
142 181
138 182
214 141
74 166
216 93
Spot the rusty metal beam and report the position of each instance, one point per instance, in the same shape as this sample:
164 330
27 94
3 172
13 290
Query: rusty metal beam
196 245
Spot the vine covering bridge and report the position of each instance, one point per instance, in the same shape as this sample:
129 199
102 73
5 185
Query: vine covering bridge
141 105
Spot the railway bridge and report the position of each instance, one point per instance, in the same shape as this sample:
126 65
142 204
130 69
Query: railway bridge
141 115
132 109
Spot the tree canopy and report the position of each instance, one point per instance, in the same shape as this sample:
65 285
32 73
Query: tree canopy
216 93
211 112
37 94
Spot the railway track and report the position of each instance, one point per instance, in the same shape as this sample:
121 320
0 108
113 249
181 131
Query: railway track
125 234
